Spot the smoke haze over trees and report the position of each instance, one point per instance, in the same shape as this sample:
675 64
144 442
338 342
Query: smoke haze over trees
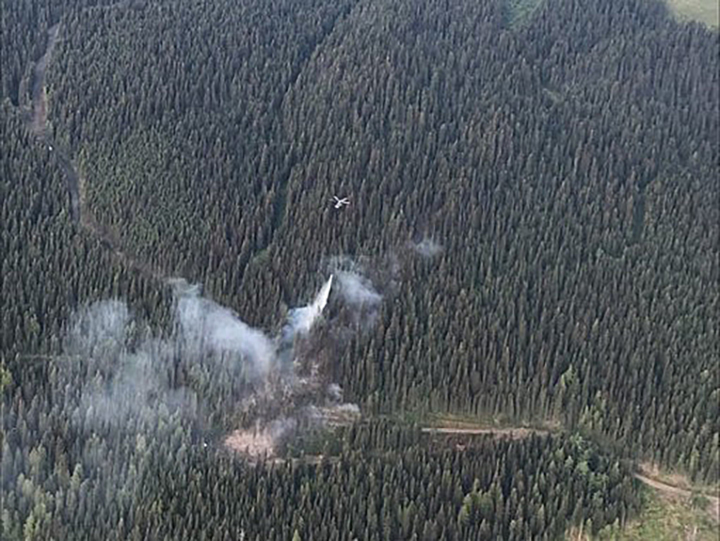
532 236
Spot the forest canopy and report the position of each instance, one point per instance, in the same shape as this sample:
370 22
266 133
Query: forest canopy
532 237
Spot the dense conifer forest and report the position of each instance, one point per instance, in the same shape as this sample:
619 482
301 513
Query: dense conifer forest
532 237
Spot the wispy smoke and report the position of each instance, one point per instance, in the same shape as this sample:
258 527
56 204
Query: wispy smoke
357 290
427 247
213 367
133 379
335 392
136 392
332 415
300 320
208 327
125 383
98 328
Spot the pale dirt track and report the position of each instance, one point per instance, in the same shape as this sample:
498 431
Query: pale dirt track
39 96
39 122
512 433
713 507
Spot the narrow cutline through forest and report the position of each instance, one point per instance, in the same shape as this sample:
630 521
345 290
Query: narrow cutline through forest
673 489
280 201
38 122
39 96
514 433
79 211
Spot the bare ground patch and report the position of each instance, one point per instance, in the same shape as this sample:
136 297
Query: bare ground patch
253 443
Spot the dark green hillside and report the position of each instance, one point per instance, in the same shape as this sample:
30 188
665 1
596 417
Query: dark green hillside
24 38
566 166
48 266
173 114
534 197
385 482
569 169
416 493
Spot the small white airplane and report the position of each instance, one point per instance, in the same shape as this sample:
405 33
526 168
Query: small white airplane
340 202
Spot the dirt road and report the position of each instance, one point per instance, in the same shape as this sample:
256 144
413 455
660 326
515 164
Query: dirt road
713 507
39 95
39 123
512 433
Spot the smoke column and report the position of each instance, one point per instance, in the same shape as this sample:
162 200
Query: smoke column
427 247
136 374
207 326
357 290
301 320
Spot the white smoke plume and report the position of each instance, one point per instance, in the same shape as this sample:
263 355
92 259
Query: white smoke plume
357 290
214 363
97 328
361 283
209 327
300 320
126 381
427 247
132 378
335 392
